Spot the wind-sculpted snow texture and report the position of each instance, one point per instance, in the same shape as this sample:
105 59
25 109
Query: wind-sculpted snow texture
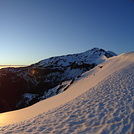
107 108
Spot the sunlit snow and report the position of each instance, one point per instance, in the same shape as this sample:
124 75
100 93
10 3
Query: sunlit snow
101 101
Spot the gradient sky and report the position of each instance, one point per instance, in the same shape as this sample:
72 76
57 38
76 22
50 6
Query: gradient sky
32 30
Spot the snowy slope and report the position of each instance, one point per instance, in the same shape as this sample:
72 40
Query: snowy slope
100 101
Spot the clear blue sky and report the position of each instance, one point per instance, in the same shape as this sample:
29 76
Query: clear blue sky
32 30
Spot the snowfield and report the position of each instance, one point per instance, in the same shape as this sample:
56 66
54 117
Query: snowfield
101 101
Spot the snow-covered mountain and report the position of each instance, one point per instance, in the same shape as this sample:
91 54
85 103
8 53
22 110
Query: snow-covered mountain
100 101
21 87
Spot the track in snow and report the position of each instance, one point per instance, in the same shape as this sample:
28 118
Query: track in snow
107 108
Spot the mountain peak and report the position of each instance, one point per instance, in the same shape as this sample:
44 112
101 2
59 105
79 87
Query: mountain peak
46 78
90 56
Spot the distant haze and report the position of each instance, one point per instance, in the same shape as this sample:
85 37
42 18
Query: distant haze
6 66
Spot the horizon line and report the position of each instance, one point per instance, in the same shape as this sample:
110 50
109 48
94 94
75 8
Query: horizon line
13 65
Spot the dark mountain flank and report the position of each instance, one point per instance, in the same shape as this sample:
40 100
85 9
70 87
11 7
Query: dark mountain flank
24 86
